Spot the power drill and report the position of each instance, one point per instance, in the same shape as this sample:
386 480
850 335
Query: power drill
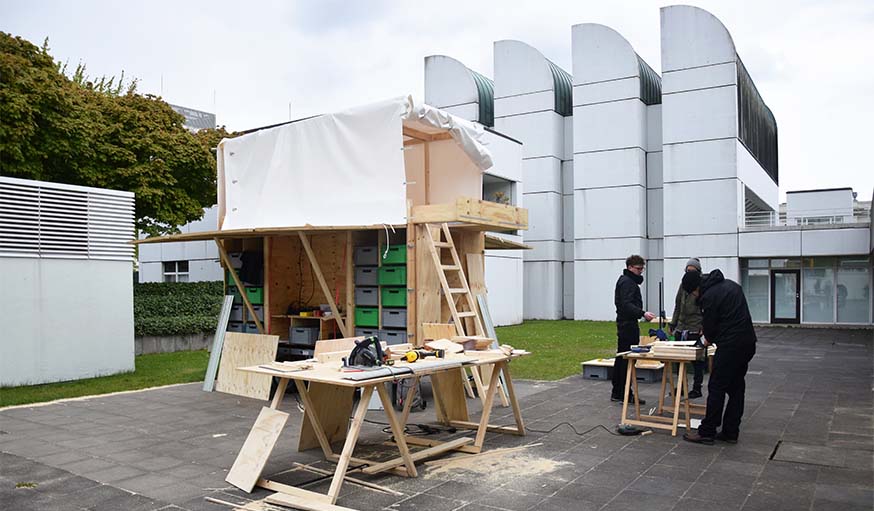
414 355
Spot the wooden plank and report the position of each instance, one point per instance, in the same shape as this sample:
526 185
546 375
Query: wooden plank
416 440
308 502
411 276
434 331
353 480
511 430
487 409
250 462
397 428
350 285
329 345
511 398
420 455
217 342
428 298
349 445
329 405
449 393
265 260
325 289
243 350
292 491
227 264
279 394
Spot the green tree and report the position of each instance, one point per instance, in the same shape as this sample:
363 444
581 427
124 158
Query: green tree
101 133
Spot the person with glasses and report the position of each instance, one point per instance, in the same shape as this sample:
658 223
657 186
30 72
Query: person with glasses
629 309
687 317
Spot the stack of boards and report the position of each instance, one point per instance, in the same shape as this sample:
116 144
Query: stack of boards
682 350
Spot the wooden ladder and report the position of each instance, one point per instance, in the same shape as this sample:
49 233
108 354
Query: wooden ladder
444 241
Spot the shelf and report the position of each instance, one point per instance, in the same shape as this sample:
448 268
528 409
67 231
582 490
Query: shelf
321 318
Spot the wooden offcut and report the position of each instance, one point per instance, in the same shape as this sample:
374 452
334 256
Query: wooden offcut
242 350
256 449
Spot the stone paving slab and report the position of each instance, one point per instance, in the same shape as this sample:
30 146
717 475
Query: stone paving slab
808 390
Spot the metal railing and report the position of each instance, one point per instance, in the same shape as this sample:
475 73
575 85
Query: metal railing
806 218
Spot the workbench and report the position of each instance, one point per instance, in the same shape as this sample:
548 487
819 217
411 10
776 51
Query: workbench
679 402
326 394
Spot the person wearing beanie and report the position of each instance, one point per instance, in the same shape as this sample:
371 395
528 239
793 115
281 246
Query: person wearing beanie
687 316
727 323
629 309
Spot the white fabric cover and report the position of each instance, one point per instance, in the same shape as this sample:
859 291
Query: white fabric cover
342 169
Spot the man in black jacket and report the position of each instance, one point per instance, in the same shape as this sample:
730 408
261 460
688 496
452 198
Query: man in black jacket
728 324
629 309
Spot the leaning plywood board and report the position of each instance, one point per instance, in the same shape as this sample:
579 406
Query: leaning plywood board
244 350
253 456
334 406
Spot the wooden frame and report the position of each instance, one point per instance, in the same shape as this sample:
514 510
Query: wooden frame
656 421
473 214
242 289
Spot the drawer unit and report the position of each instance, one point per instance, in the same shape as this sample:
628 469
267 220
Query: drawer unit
366 332
237 312
367 316
393 276
394 318
366 256
392 337
367 276
236 326
303 335
394 296
396 254
367 296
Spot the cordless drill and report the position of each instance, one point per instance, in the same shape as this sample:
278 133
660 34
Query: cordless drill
414 355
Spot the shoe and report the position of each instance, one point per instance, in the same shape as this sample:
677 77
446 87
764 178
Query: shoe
695 438
616 399
722 437
695 393
630 399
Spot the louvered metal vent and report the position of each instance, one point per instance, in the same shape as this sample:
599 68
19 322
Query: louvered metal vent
49 220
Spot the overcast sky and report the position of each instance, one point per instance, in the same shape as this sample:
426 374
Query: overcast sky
812 61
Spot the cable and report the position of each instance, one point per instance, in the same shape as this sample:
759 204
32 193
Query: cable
568 424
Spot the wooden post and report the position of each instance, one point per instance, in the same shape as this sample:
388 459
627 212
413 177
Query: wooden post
266 306
321 278
227 261
427 173
411 276
350 283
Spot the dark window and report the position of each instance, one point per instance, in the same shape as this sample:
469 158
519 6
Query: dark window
757 128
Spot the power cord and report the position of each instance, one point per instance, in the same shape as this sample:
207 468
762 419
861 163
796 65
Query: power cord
568 424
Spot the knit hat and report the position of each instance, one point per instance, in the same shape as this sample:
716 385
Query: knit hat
691 281
693 261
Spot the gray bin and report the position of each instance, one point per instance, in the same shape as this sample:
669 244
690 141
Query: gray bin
366 332
303 335
366 256
367 296
391 337
259 311
394 318
236 326
237 313
367 276
252 328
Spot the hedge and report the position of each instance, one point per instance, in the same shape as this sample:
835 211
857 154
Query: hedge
176 308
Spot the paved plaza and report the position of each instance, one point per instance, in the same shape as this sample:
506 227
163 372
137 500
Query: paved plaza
807 443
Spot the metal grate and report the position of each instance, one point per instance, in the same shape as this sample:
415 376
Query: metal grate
50 220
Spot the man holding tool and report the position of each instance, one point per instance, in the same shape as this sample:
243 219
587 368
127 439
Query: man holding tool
687 317
727 323
629 309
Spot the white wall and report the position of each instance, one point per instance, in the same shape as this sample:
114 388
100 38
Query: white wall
814 203
66 319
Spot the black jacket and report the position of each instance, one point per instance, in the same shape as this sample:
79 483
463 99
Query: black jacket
727 320
629 304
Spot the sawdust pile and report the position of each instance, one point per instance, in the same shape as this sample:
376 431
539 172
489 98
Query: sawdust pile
498 467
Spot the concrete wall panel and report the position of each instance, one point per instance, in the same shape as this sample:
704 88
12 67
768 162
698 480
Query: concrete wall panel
544 251
654 208
692 37
519 69
600 53
541 132
714 245
769 244
542 175
755 178
610 212
544 216
699 78
602 92
699 115
622 167
525 103
543 290
654 128
711 159
834 241
609 248
654 170
703 207
598 279
617 125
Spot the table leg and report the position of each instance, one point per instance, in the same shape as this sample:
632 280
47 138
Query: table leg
397 429
627 391
487 409
664 384
311 412
508 382
633 364
349 446
280 393
681 377
686 401
408 401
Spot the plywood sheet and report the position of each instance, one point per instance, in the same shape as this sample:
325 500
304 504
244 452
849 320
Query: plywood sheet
244 350
449 392
334 406
259 444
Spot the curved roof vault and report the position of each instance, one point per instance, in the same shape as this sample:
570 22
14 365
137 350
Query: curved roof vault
549 76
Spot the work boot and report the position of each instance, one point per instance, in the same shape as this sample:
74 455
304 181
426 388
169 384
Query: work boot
695 393
696 438
722 437
619 399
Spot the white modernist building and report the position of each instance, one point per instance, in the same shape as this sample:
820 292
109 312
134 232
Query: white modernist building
668 167
65 272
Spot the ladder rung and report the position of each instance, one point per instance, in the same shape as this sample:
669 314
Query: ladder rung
457 290
466 314
442 244
451 267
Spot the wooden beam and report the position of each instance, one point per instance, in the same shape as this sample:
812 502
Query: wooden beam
427 173
350 285
321 278
426 137
309 502
424 453
227 262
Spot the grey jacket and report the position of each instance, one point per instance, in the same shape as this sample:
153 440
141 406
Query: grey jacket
687 313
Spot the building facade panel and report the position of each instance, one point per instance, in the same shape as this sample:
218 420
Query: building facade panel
603 169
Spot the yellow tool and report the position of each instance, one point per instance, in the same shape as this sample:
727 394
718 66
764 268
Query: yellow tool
414 355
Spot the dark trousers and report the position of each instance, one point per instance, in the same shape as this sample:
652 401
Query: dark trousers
729 370
627 333
699 374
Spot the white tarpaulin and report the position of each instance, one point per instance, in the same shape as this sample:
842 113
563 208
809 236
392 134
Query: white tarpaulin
340 169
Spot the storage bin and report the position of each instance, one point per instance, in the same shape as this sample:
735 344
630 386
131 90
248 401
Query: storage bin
367 316
367 296
366 256
366 276
366 332
303 335
394 318
252 328
232 289
237 312
394 296
392 337
396 254
236 326
256 295
393 276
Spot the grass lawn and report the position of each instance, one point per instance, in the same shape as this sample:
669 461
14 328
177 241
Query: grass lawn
558 347
151 371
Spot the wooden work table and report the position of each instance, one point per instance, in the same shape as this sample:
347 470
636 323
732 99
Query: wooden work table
680 391
327 396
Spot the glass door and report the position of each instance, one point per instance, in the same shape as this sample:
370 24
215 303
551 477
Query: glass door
785 296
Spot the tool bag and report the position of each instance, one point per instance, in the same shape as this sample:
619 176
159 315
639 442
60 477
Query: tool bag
399 394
